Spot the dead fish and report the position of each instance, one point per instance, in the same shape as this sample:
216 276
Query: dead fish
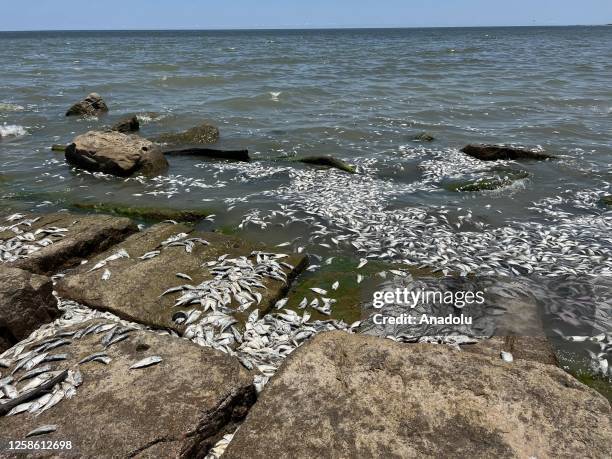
43 430
303 303
10 391
38 404
74 378
150 255
184 276
147 362
281 303
97 357
320 291
116 339
335 285
359 278
35 372
106 275
362 263
20 409
34 361
507 357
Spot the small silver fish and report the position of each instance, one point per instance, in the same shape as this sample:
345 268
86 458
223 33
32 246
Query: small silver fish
281 303
97 357
43 430
147 362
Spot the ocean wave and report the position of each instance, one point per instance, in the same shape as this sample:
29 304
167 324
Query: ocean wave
12 130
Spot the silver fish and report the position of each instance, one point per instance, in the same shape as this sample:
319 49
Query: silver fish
42 430
147 362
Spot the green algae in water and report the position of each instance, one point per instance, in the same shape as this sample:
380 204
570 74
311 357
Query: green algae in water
600 384
490 183
349 295
145 213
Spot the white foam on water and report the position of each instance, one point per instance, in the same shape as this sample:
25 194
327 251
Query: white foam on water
12 130
5 107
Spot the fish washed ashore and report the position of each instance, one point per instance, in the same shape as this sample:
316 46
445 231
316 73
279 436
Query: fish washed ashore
199 298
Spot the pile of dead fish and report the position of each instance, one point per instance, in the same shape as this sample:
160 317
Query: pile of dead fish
25 242
353 212
39 372
235 280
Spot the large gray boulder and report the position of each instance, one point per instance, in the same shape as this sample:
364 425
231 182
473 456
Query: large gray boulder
344 395
116 153
26 302
178 407
92 105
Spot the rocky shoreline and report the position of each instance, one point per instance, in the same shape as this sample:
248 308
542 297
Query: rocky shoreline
119 306
181 342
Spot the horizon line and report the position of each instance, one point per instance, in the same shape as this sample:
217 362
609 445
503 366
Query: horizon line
267 28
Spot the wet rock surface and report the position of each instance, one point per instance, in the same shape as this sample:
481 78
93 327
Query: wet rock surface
135 288
154 214
26 302
47 243
178 407
497 152
230 155
328 161
115 153
198 135
344 395
92 105
127 124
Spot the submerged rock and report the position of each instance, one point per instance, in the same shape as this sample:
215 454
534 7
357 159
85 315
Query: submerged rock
424 137
203 134
328 161
116 153
498 152
128 124
606 200
231 155
492 181
179 407
59 148
344 395
73 238
26 302
144 213
92 105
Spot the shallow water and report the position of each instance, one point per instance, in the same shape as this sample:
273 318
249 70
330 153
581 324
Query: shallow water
361 95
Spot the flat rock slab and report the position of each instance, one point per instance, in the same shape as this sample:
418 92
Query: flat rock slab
180 406
134 290
344 395
85 235
26 302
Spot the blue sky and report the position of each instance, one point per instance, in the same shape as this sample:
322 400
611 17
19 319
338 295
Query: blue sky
204 14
